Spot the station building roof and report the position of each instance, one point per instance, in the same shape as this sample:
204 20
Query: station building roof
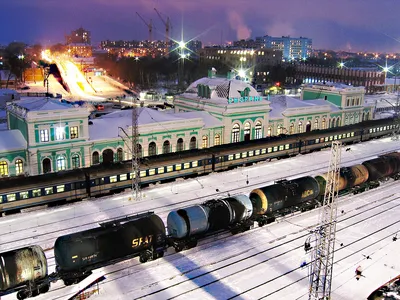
12 140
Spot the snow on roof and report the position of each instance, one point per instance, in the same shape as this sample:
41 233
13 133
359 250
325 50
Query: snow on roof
3 126
333 86
209 120
12 140
38 104
221 89
280 103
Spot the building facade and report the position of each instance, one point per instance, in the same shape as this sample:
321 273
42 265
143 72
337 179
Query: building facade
45 135
79 36
292 48
314 74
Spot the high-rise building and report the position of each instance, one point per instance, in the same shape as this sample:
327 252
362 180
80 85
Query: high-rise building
292 48
79 36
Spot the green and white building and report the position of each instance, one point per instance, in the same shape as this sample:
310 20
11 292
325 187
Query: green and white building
45 135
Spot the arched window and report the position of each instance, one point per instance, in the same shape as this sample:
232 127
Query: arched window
108 156
76 161
367 116
247 131
308 126
337 122
166 147
152 149
363 116
258 130
316 123
19 166
332 123
269 131
204 143
300 127
235 133
279 130
139 150
3 168
291 128
323 123
95 158
179 145
120 154
61 165
193 143
217 140
46 164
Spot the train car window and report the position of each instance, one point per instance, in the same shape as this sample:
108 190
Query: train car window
60 188
142 174
331 138
335 137
263 151
237 155
123 177
281 147
48 191
381 128
244 154
287 146
339 136
1 198
186 165
275 148
160 170
36 193
251 153
178 167
170 168
230 157
322 140
257 152
11 197
194 164
352 134
23 195
152 172
316 141
269 150
131 175
113 179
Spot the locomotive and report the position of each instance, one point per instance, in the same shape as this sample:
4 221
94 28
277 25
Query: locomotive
76 255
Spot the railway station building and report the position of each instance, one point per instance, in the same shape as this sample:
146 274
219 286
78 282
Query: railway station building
45 135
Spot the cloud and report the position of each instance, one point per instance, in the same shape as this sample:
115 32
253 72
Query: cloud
237 23
280 28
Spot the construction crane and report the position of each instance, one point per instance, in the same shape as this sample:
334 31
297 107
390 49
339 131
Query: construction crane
167 24
149 26
321 266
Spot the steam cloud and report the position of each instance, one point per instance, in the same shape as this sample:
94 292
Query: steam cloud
237 23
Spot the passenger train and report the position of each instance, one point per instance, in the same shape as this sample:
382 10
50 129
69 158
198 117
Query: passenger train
17 193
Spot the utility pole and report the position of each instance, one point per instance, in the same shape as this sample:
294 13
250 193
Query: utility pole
136 152
325 234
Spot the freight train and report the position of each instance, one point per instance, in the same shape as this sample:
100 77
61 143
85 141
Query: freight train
77 254
17 193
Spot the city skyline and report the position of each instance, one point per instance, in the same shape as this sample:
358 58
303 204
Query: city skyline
340 25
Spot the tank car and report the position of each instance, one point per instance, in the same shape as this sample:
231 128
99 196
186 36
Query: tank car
381 167
78 253
349 177
274 199
23 270
187 224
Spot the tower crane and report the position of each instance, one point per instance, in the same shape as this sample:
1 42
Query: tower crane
325 234
149 25
167 24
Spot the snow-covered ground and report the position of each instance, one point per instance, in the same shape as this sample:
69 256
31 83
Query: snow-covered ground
261 263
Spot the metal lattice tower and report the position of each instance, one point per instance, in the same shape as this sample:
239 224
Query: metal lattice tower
322 258
136 192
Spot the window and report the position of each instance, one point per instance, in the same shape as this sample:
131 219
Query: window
279 130
194 164
323 123
44 135
73 132
142 174
269 131
217 140
160 170
192 144
60 133
19 166
186 165
139 150
113 179
152 149
178 167
179 145
11 197
76 161
95 158
235 133
123 177
258 130
152 172
300 127
60 188
3 168
120 154
247 131
204 143
48 191
61 163
23 195
36 193
170 168
291 129
166 147
316 124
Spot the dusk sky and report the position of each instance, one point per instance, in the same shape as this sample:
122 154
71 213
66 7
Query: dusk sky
340 24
